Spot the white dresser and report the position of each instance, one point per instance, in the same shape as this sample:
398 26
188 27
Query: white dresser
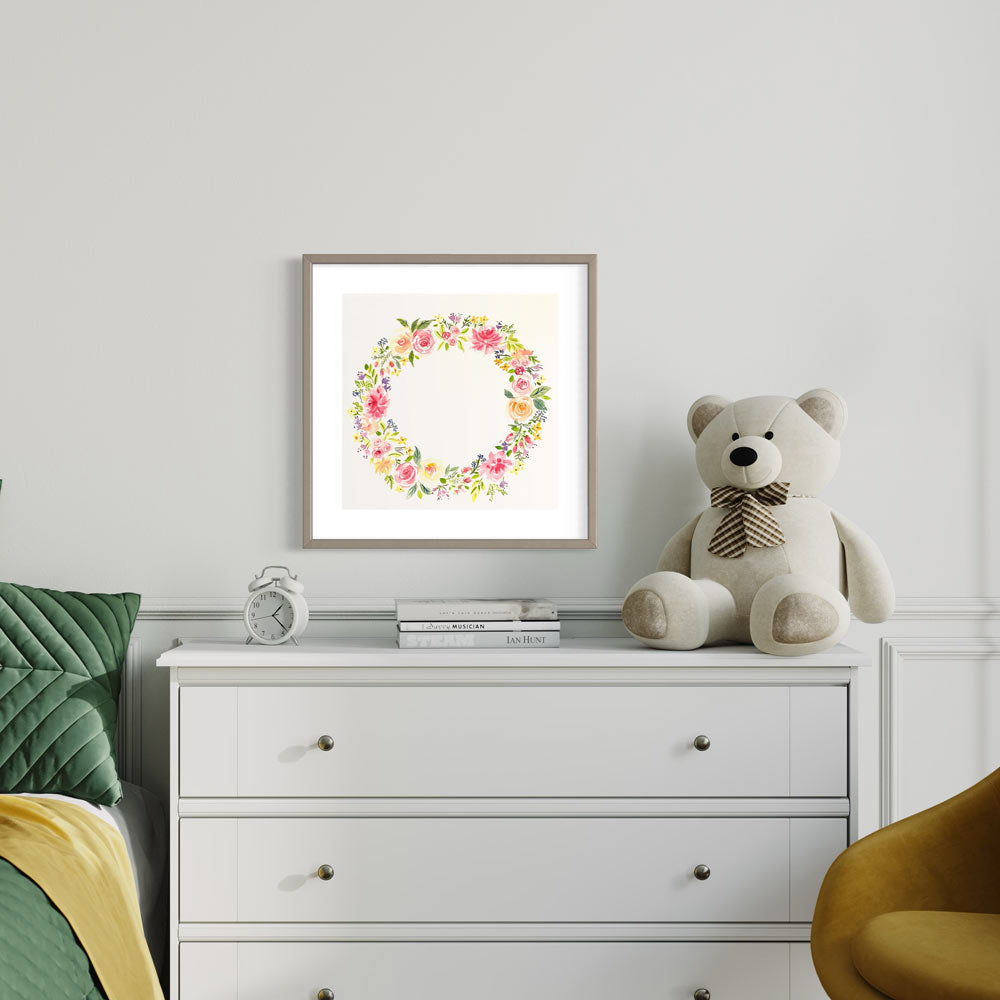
601 821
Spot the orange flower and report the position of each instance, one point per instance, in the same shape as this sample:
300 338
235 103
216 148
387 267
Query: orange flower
401 344
520 409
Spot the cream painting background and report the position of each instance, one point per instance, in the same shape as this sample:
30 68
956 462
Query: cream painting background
451 403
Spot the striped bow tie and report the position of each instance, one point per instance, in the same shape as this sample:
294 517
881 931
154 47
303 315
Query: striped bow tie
748 521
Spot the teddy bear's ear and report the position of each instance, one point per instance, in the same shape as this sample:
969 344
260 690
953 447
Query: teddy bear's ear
827 409
703 411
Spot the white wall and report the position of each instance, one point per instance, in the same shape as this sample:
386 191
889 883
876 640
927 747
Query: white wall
782 195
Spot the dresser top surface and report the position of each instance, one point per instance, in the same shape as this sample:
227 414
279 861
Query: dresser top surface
381 652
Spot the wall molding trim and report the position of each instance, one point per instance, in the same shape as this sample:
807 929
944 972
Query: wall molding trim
570 609
893 653
130 716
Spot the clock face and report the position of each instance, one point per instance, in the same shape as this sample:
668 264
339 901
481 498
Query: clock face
270 616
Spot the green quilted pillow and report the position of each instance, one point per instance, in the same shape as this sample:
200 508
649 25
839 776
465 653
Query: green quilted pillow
61 658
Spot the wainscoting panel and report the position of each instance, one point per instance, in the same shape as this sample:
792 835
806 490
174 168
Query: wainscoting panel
940 705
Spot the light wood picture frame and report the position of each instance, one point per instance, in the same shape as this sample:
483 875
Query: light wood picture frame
449 401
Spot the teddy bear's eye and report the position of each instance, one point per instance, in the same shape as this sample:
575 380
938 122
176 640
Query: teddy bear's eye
736 437
769 435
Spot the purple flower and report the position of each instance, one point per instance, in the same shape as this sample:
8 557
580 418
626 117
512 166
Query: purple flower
385 383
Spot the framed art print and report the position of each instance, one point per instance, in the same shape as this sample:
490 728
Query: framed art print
449 400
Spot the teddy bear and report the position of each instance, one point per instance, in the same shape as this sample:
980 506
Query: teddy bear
767 562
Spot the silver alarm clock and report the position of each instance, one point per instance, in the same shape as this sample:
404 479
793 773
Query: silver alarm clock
275 611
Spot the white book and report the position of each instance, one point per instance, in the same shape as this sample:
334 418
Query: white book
483 626
525 639
528 609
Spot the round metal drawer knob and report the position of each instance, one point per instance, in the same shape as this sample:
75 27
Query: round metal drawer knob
702 872
701 994
325 743
325 994
702 743
325 872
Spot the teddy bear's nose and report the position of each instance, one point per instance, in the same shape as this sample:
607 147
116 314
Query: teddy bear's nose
743 456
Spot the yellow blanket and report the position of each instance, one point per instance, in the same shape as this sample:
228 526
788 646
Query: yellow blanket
81 864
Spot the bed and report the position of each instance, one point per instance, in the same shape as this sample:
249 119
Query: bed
82 850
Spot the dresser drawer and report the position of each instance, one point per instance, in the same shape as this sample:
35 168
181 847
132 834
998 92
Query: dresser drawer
492 870
516 741
491 971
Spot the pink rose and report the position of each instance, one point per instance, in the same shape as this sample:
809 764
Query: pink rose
450 336
495 465
376 403
380 448
406 474
522 385
484 338
521 357
423 341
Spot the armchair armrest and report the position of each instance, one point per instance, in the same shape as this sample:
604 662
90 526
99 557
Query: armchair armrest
945 858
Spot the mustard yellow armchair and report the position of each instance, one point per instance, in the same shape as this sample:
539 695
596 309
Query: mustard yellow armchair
912 912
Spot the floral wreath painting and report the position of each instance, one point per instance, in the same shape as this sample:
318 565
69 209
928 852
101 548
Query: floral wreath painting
398 461
449 401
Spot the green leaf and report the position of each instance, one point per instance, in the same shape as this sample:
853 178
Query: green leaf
403 322
508 393
410 358
423 324
416 454
411 491
540 391
539 405
442 480
424 488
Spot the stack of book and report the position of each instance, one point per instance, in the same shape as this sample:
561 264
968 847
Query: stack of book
514 624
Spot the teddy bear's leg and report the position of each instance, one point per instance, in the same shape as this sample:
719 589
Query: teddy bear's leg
795 614
672 611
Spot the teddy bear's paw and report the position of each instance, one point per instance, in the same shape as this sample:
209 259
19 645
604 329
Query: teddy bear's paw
795 614
644 615
802 618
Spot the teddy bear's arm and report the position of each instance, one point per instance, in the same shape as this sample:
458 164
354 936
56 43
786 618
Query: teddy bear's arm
676 555
869 586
